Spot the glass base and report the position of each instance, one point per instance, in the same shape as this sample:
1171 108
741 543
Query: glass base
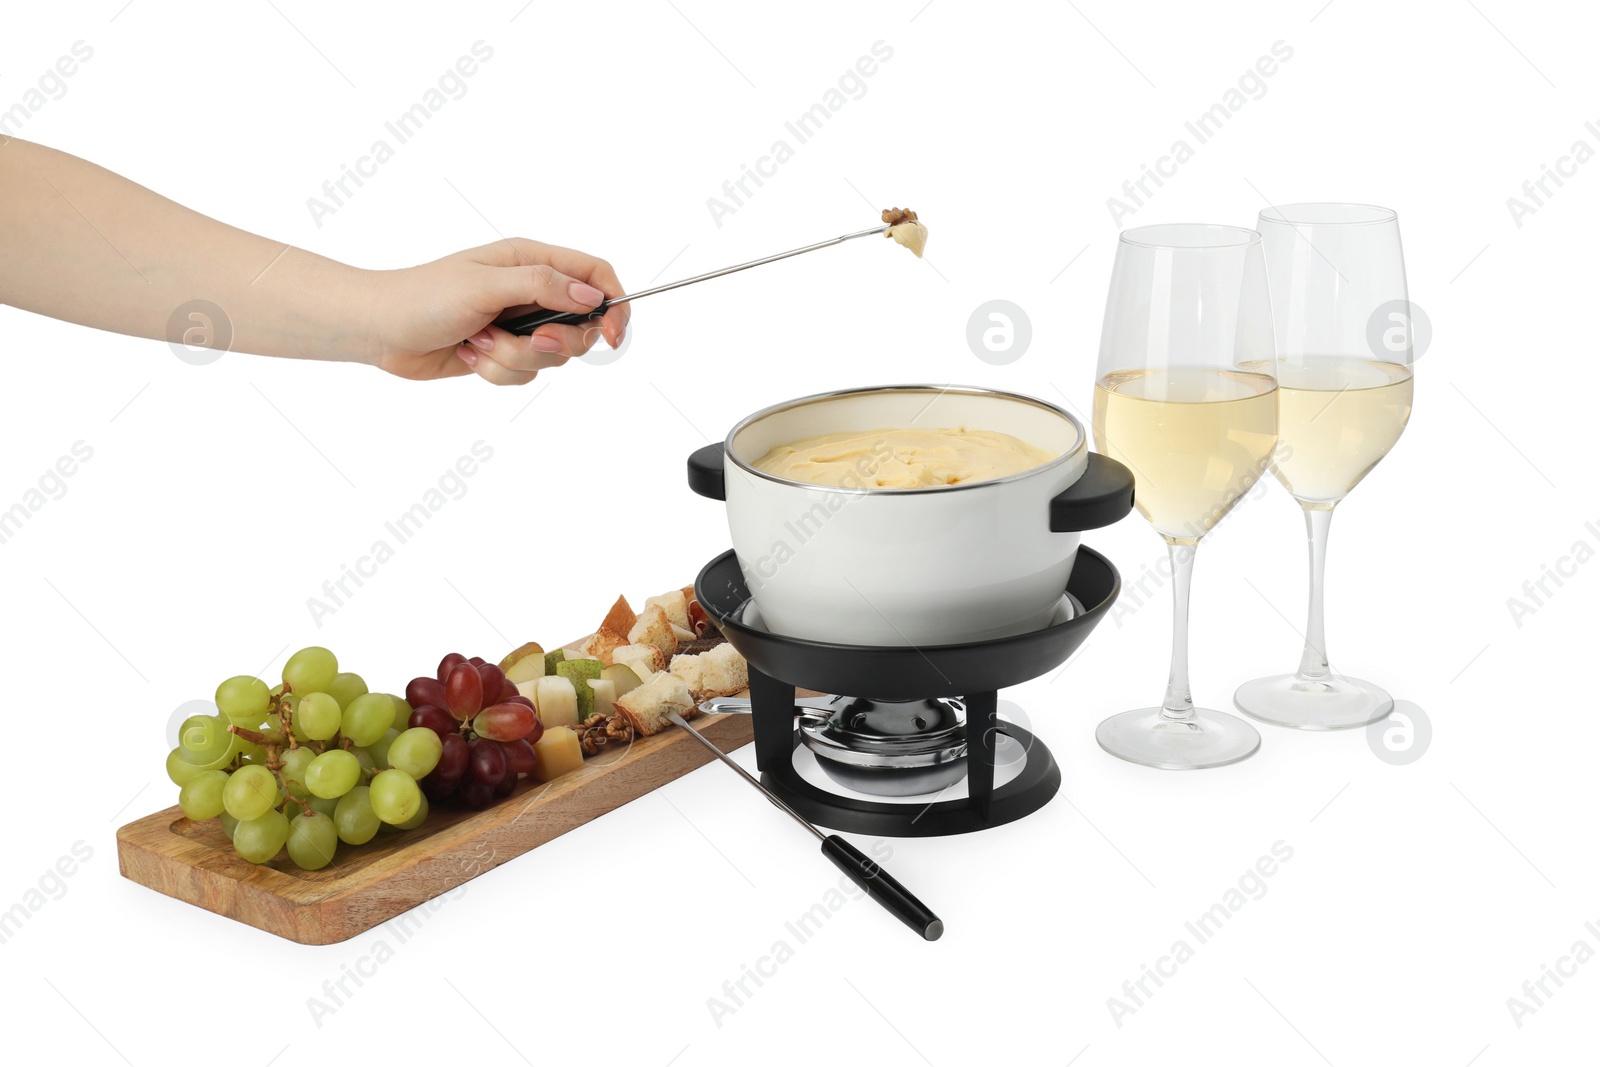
1146 736
1336 703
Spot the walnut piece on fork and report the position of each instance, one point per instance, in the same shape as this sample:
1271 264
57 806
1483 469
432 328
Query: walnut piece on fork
905 229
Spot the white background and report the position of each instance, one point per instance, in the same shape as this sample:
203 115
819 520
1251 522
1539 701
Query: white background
219 498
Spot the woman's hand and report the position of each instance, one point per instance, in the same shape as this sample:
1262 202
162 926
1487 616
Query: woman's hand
142 256
433 321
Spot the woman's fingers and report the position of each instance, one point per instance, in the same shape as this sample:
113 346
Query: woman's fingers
544 285
573 340
525 274
492 370
518 254
600 274
508 359
615 324
548 346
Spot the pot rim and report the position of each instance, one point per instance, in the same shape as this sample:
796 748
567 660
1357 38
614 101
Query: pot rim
967 390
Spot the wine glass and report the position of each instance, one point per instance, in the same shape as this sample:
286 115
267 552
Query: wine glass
1338 283
1185 397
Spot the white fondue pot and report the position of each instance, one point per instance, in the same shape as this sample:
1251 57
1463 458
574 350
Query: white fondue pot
930 566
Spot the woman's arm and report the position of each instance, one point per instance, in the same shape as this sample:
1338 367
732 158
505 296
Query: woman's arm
80 243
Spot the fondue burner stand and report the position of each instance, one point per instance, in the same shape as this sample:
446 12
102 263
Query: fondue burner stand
905 738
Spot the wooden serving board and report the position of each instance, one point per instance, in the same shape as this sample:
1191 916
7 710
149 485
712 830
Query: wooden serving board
397 870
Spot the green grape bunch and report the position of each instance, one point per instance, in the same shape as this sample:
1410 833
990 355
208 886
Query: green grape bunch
304 765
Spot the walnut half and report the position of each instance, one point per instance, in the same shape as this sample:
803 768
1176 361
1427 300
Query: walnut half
597 731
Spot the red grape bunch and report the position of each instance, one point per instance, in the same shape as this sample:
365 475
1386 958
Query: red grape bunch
487 728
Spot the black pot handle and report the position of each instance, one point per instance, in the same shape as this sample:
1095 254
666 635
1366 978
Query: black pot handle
705 472
1101 495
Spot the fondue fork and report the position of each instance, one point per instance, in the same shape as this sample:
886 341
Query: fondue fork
526 323
849 859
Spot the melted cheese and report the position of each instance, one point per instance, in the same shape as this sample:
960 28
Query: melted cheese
903 459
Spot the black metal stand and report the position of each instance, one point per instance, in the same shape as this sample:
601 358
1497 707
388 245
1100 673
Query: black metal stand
772 708
975 672
772 714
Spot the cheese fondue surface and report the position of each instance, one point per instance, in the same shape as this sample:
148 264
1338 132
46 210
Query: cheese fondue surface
903 459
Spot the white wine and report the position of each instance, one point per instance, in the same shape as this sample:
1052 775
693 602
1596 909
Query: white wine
1196 439
1337 417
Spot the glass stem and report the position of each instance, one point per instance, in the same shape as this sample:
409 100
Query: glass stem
1314 660
1179 705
